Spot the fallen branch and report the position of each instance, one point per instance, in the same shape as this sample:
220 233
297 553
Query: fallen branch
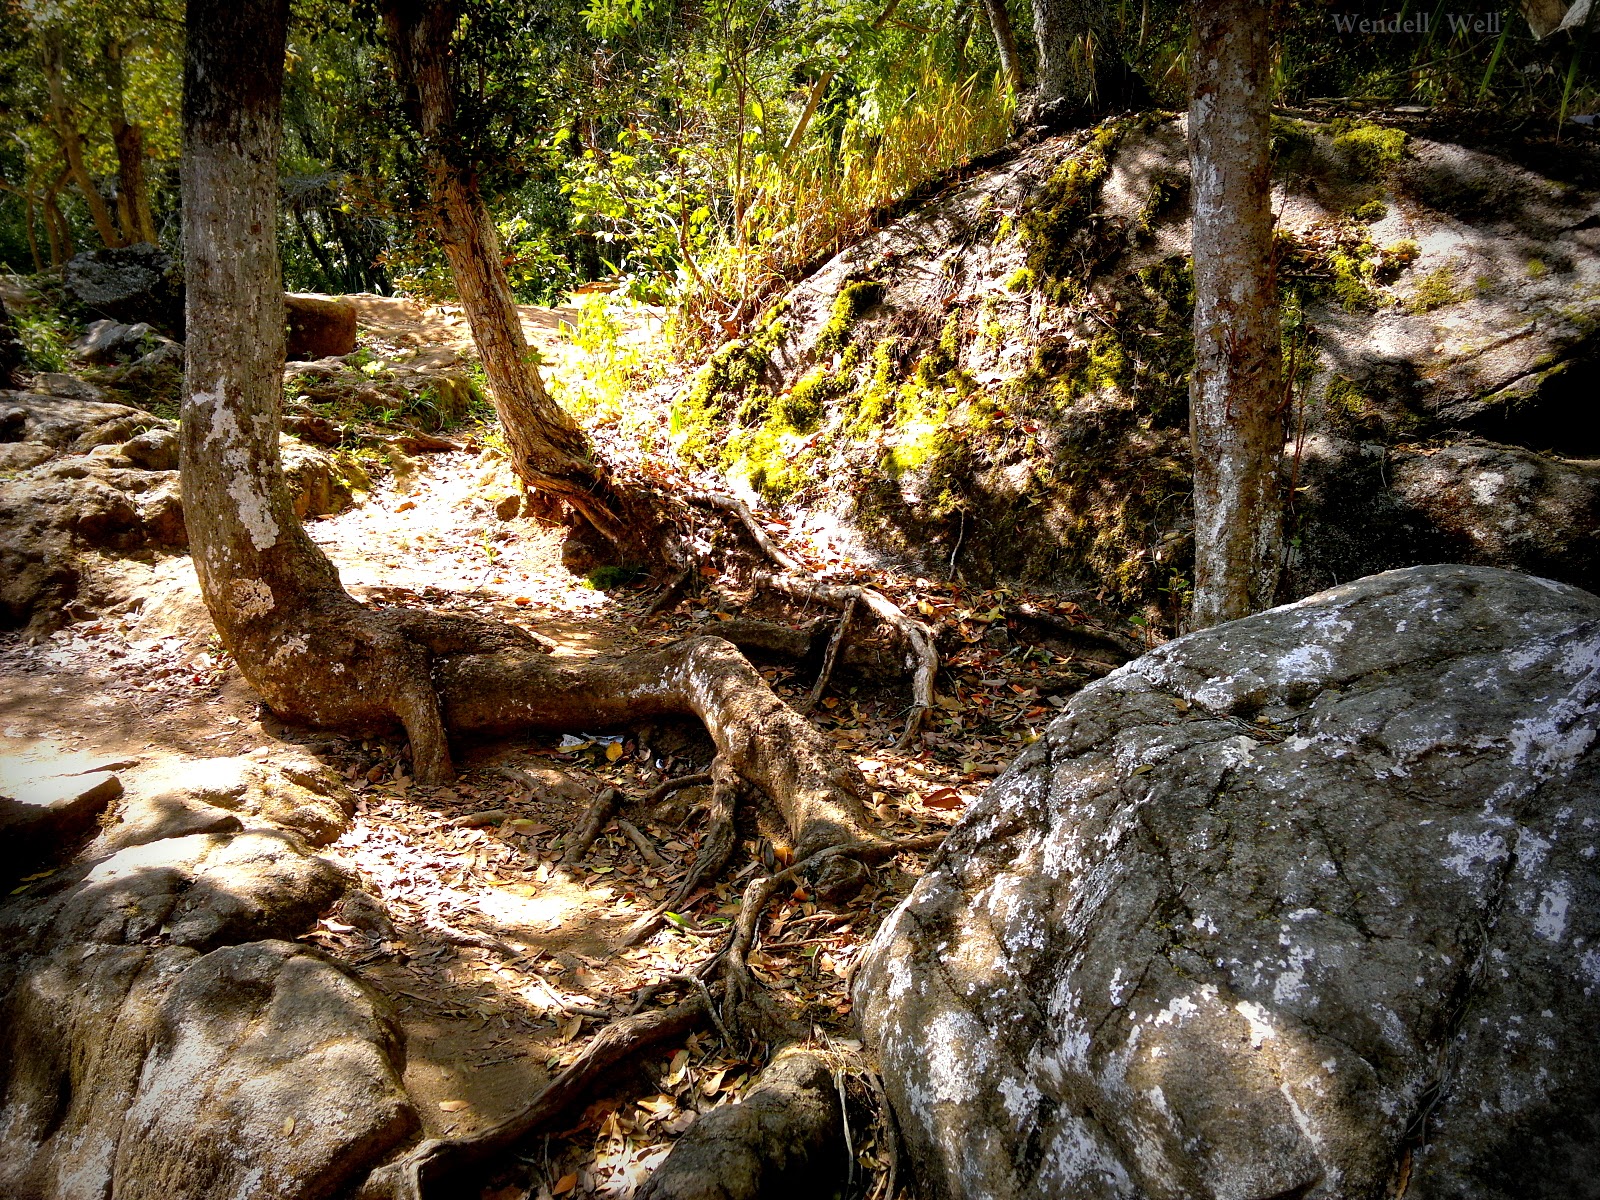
601 809
831 658
641 841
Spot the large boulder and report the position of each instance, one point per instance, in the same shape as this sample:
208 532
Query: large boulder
128 285
1303 905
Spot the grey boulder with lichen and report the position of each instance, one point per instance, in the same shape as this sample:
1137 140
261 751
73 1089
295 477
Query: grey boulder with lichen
1305 905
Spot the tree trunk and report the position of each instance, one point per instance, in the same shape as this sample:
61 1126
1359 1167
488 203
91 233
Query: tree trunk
1005 42
1081 69
66 132
1236 414
133 192
549 451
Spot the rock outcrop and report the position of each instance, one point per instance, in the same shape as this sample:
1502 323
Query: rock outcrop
997 382
131 284
94 477
160 1034
1303 905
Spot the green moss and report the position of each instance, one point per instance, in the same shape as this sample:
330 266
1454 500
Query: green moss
1536 268
1293 146
1436 289
729 382
1053 224
1372 210
849 306
1021 280
1369 150
1340 265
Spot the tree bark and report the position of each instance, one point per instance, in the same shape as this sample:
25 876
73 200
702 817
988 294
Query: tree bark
66 132
549 451
1236 418
1081 69
1005 41
311 652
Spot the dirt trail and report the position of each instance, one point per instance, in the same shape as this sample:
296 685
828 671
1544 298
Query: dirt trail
500 964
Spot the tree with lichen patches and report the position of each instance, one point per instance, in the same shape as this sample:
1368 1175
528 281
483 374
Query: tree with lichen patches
1235 394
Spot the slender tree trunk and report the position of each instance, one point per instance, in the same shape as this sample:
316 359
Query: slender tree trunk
820 88
549 451
133 192
1005 42
310 651
66 132
55 224
1081 69
1236 417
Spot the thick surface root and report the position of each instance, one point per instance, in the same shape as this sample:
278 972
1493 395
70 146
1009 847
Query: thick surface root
764 741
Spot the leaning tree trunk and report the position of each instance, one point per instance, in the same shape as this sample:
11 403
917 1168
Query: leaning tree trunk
1005 41
310 651
71 140
1082 72
1236 410
549 451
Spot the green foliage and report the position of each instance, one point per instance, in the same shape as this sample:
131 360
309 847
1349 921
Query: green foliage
45 337
609 365
1021 280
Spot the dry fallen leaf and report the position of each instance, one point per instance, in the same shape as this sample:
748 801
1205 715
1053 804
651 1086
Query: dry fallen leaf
565 1184
452 1105
288 1126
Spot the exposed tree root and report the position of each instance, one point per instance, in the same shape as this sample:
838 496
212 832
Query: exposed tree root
437 1160
739 509
922 659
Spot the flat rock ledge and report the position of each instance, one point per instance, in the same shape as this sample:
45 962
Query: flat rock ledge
1305 905
162 1036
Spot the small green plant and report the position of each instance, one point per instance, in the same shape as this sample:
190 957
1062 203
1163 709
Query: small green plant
1372 210
1536 268
1022 280
609 366
44 336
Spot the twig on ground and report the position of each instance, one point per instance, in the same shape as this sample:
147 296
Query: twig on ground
601 810
831 658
